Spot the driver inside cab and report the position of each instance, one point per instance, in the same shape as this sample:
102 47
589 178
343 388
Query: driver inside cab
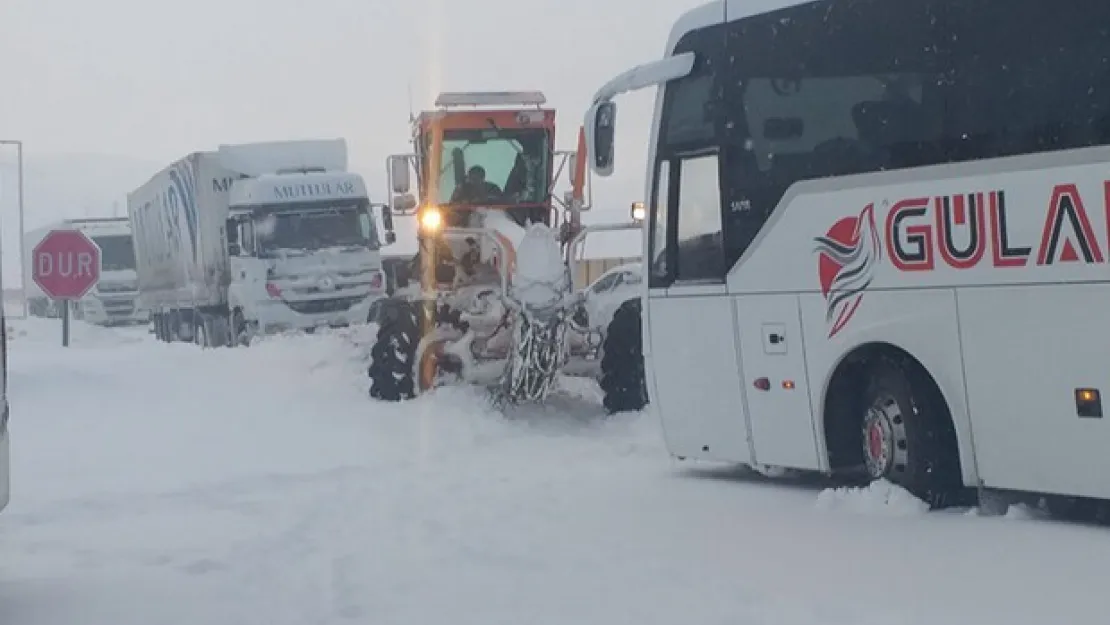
476 189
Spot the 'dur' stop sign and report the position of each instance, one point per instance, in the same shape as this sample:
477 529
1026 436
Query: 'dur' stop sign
66 264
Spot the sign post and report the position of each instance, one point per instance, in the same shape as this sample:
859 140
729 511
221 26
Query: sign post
66 264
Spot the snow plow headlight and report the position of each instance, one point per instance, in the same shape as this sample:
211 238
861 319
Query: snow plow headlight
431 219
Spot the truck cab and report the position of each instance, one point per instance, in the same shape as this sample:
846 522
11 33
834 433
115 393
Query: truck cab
304 250
115 298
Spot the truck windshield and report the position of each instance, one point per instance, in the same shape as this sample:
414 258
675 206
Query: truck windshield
117 253
312 228
498 166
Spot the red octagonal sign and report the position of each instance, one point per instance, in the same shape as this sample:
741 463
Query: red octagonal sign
66 264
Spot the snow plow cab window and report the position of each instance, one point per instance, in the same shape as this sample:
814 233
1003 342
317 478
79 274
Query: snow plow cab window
515 164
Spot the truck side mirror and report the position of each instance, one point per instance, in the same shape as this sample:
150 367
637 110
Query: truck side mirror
397 167
600 133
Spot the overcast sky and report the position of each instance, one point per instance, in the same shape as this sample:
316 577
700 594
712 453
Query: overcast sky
154 80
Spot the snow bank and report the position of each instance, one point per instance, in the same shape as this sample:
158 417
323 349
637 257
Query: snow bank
878 498
47 333
165 484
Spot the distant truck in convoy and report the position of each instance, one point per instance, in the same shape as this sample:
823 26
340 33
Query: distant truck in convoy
115 298
256 239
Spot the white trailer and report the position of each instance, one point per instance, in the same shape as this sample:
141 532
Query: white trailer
877 240
115 298
256 239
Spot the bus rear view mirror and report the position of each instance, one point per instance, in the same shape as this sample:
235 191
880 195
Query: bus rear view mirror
600 133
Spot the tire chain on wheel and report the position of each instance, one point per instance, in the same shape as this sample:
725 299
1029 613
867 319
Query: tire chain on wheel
392 356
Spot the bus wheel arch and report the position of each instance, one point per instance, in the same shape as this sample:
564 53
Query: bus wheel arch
882 402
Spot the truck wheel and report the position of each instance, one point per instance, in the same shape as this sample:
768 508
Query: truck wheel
622 361
907 433
391 357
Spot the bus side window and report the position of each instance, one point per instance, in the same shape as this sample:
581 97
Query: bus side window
700 249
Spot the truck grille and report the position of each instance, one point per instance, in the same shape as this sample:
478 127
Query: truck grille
118 306
320 306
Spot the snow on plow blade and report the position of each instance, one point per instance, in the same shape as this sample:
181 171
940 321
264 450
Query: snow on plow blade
514 334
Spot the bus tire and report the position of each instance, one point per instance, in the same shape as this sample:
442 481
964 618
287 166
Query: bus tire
391 358
907 433
622 361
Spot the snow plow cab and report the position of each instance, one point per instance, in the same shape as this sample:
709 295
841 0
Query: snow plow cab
488 298
484 158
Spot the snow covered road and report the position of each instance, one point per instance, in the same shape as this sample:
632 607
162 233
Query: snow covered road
162 484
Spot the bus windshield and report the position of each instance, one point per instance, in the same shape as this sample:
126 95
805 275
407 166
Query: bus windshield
494 167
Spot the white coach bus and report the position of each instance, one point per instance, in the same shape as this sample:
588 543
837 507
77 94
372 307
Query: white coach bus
878 238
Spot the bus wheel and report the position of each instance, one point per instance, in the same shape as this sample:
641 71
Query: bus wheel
907 433
622 361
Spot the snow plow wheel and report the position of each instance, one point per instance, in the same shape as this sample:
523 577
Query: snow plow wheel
622 361
907 434
391 357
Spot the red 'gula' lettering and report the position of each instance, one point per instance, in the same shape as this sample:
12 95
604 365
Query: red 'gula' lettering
981 218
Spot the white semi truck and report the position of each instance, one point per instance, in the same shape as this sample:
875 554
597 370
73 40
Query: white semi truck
115 298
256 239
